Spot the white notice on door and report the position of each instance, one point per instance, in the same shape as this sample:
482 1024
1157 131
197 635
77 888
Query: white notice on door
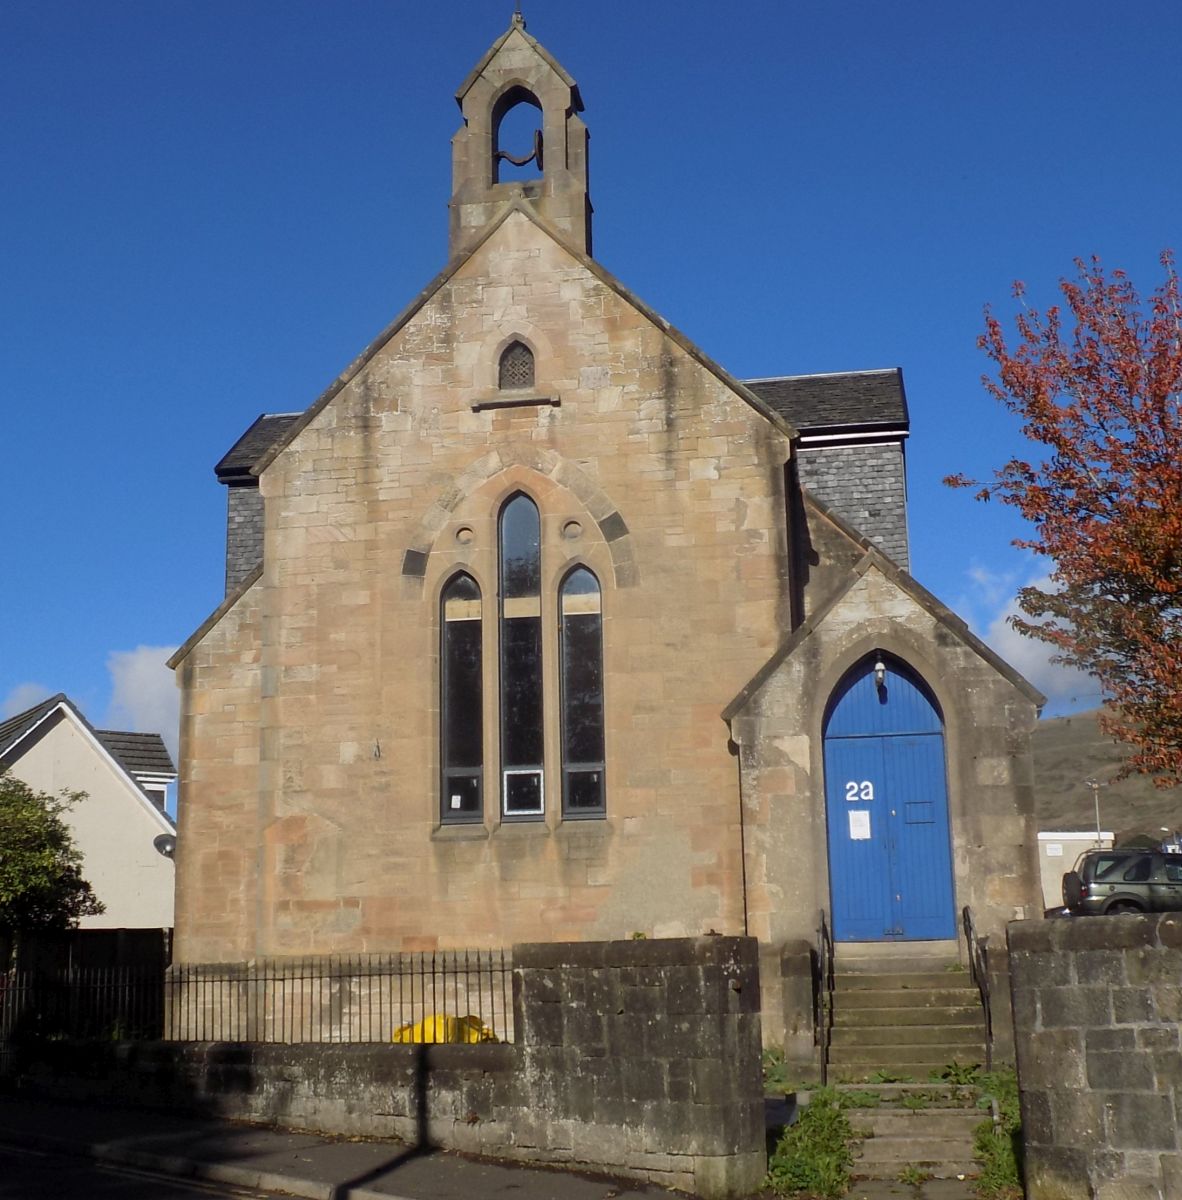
859 824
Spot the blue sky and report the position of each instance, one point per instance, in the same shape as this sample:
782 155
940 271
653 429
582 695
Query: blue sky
210 208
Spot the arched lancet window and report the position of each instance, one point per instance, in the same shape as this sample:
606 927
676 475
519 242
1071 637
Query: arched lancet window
580 612
517 136
520 542
462 701
516 368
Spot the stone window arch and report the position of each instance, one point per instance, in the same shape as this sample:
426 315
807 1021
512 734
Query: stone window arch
580 648
541 709
461 706
522 718
516 366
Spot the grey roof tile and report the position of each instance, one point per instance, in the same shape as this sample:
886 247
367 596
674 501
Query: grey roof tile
850 399
137 753
269 428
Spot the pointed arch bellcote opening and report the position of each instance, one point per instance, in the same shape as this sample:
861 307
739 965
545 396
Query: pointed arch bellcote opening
517 137
522 141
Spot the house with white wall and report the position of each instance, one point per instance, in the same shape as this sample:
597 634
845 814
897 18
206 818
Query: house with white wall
121 826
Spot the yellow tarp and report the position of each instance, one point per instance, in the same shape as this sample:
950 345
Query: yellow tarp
439 1027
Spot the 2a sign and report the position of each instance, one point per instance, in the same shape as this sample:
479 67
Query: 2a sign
859 791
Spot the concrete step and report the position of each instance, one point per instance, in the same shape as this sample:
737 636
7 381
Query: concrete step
963 1014
936 1141
881 957
916 1073
934 1054
969 1034
935 980
901 998
937 1167
954 1123
939 1092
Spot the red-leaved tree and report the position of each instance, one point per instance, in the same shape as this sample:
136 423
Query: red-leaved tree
1103 402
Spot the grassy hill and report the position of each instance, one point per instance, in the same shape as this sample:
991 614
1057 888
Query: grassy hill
1068 750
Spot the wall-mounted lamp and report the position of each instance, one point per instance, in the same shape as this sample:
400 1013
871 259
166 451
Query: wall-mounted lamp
165 844
879 674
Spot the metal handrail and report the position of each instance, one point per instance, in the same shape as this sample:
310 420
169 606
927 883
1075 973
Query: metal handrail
979 973
825 992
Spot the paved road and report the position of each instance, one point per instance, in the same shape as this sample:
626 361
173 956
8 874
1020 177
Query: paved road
31 1175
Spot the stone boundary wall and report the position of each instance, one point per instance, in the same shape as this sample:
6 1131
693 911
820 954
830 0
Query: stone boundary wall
1097 1004
638 1058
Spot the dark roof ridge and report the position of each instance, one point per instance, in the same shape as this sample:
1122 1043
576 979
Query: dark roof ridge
826 374
13 728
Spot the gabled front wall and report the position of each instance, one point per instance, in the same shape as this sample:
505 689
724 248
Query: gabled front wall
676 485
113 827
987 723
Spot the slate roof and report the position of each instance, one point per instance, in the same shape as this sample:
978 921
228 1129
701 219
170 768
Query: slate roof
16 727
269 428
847 400
137 753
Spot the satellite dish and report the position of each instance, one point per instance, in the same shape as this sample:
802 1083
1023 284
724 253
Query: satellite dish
165 844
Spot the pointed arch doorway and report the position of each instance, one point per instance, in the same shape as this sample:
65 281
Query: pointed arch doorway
886 798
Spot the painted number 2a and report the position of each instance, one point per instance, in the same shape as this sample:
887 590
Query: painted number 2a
855 790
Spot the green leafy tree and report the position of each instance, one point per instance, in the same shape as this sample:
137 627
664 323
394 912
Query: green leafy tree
41 884
1098 387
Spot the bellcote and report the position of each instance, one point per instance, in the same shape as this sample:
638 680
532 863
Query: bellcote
515 72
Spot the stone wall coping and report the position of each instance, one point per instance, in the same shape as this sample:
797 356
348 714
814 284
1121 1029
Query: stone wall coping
1125 932
643 952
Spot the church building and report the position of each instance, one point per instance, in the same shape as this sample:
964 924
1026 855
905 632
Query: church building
541 626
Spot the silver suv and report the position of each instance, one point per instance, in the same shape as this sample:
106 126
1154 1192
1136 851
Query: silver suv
1124 881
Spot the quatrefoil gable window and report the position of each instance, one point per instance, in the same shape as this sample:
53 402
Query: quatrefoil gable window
517 367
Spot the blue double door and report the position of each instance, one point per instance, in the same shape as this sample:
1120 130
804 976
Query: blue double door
890 862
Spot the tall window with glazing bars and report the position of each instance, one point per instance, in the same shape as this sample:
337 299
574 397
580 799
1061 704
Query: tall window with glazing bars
522 658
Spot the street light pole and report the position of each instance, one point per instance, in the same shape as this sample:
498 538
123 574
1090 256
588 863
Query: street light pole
1096 785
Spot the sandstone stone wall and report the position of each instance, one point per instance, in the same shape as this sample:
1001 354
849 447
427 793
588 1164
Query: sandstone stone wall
639 1058
218 838
647 467
779 729
1097 1005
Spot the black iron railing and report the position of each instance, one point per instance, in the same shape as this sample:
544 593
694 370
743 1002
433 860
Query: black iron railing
824 1005
445 996
442 996
978 948
107 1003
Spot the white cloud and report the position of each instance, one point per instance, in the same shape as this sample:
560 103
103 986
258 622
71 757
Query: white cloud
144 696
1065 688
23 696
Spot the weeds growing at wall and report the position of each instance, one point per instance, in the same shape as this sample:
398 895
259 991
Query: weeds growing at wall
813 1156
776 1080
999 1147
